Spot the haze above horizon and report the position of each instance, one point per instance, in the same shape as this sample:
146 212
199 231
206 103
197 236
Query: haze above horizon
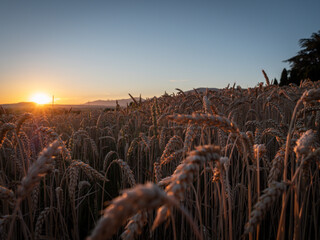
82 51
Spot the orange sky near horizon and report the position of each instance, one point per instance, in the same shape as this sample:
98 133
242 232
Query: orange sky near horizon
23 96
24 88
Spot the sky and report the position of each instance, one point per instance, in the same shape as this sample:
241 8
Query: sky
81 51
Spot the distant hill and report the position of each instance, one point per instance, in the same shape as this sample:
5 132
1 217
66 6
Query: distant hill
124 102
202 90
20 105
110 103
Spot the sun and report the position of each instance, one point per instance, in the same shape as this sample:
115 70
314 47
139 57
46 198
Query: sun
40 98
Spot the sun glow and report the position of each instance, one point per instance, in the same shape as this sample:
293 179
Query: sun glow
40 98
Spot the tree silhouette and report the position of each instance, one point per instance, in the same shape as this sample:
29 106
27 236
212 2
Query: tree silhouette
275 82
284 78
306 64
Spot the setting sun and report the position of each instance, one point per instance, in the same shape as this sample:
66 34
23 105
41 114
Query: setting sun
40 98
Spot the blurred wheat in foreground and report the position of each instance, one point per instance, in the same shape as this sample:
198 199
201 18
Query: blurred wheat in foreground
220 164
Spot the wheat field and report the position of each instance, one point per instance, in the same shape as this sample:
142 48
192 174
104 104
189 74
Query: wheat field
220 164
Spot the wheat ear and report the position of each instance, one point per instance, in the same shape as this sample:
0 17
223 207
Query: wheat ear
21 120
141 197
127 171
6 194
135 225
40 221
268 197
305 144
90 171
174 143
39 169
183 176
211 120
190 135
4 129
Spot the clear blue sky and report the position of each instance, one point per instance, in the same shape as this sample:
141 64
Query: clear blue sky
88 50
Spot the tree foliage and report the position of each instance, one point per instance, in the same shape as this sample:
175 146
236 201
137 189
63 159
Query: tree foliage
306 64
